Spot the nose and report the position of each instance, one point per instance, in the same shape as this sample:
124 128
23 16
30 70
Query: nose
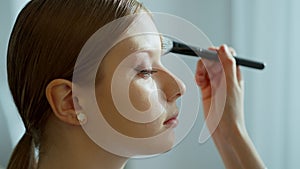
171 85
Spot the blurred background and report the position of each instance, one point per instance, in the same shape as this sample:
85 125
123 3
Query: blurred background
262 30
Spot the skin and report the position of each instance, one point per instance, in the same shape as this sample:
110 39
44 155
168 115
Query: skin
146 55
65 144
231 137
78 150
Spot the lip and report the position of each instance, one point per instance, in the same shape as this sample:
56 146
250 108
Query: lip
171 121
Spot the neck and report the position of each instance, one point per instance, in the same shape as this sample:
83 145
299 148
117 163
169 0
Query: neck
66 146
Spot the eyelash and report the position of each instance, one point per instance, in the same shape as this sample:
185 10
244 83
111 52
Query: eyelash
146 73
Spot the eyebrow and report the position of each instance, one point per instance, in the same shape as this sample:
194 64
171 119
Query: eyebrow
147 49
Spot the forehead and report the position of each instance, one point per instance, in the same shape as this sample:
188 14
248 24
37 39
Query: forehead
143 42
146 42
149 44
142 33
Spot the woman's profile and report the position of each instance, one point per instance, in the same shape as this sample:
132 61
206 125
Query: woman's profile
43 49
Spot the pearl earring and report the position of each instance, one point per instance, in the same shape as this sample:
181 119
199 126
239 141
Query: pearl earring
81 117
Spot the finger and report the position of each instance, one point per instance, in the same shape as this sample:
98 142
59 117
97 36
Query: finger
228 63
200 69
214 69
215 74
213 48
239 75
202 80
201 75
209 68
238 70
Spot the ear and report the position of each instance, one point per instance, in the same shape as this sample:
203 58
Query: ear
59 96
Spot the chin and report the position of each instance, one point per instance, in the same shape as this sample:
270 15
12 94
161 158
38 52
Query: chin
163 145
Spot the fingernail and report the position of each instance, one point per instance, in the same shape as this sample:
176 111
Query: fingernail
223 48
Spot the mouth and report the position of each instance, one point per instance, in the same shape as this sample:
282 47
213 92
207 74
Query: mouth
172 121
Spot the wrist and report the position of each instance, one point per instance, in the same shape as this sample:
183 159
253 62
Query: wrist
231 135
239 145
239 133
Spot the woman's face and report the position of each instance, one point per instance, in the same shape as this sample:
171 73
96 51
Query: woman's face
132 83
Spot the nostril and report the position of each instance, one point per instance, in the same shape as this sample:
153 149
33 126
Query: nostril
174 97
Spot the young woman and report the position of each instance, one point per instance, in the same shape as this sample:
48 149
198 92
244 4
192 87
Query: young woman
43 49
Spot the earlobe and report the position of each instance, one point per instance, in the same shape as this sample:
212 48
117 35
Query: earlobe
60 98
81 117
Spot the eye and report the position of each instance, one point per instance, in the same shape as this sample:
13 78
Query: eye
145 74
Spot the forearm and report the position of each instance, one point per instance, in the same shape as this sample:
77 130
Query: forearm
245 150
238 151
230 160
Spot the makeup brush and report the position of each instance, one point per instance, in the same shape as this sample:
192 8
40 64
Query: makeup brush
169 45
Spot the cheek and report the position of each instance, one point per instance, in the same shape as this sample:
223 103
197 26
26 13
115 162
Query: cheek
140 93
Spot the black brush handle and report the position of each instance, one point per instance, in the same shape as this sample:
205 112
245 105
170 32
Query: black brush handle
212 55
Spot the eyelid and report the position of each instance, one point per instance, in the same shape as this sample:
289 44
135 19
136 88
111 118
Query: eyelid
146 70
142 67
146 73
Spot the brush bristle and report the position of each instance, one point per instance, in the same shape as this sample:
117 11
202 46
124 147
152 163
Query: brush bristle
166 45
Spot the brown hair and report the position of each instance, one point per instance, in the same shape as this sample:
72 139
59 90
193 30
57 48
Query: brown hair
45 42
